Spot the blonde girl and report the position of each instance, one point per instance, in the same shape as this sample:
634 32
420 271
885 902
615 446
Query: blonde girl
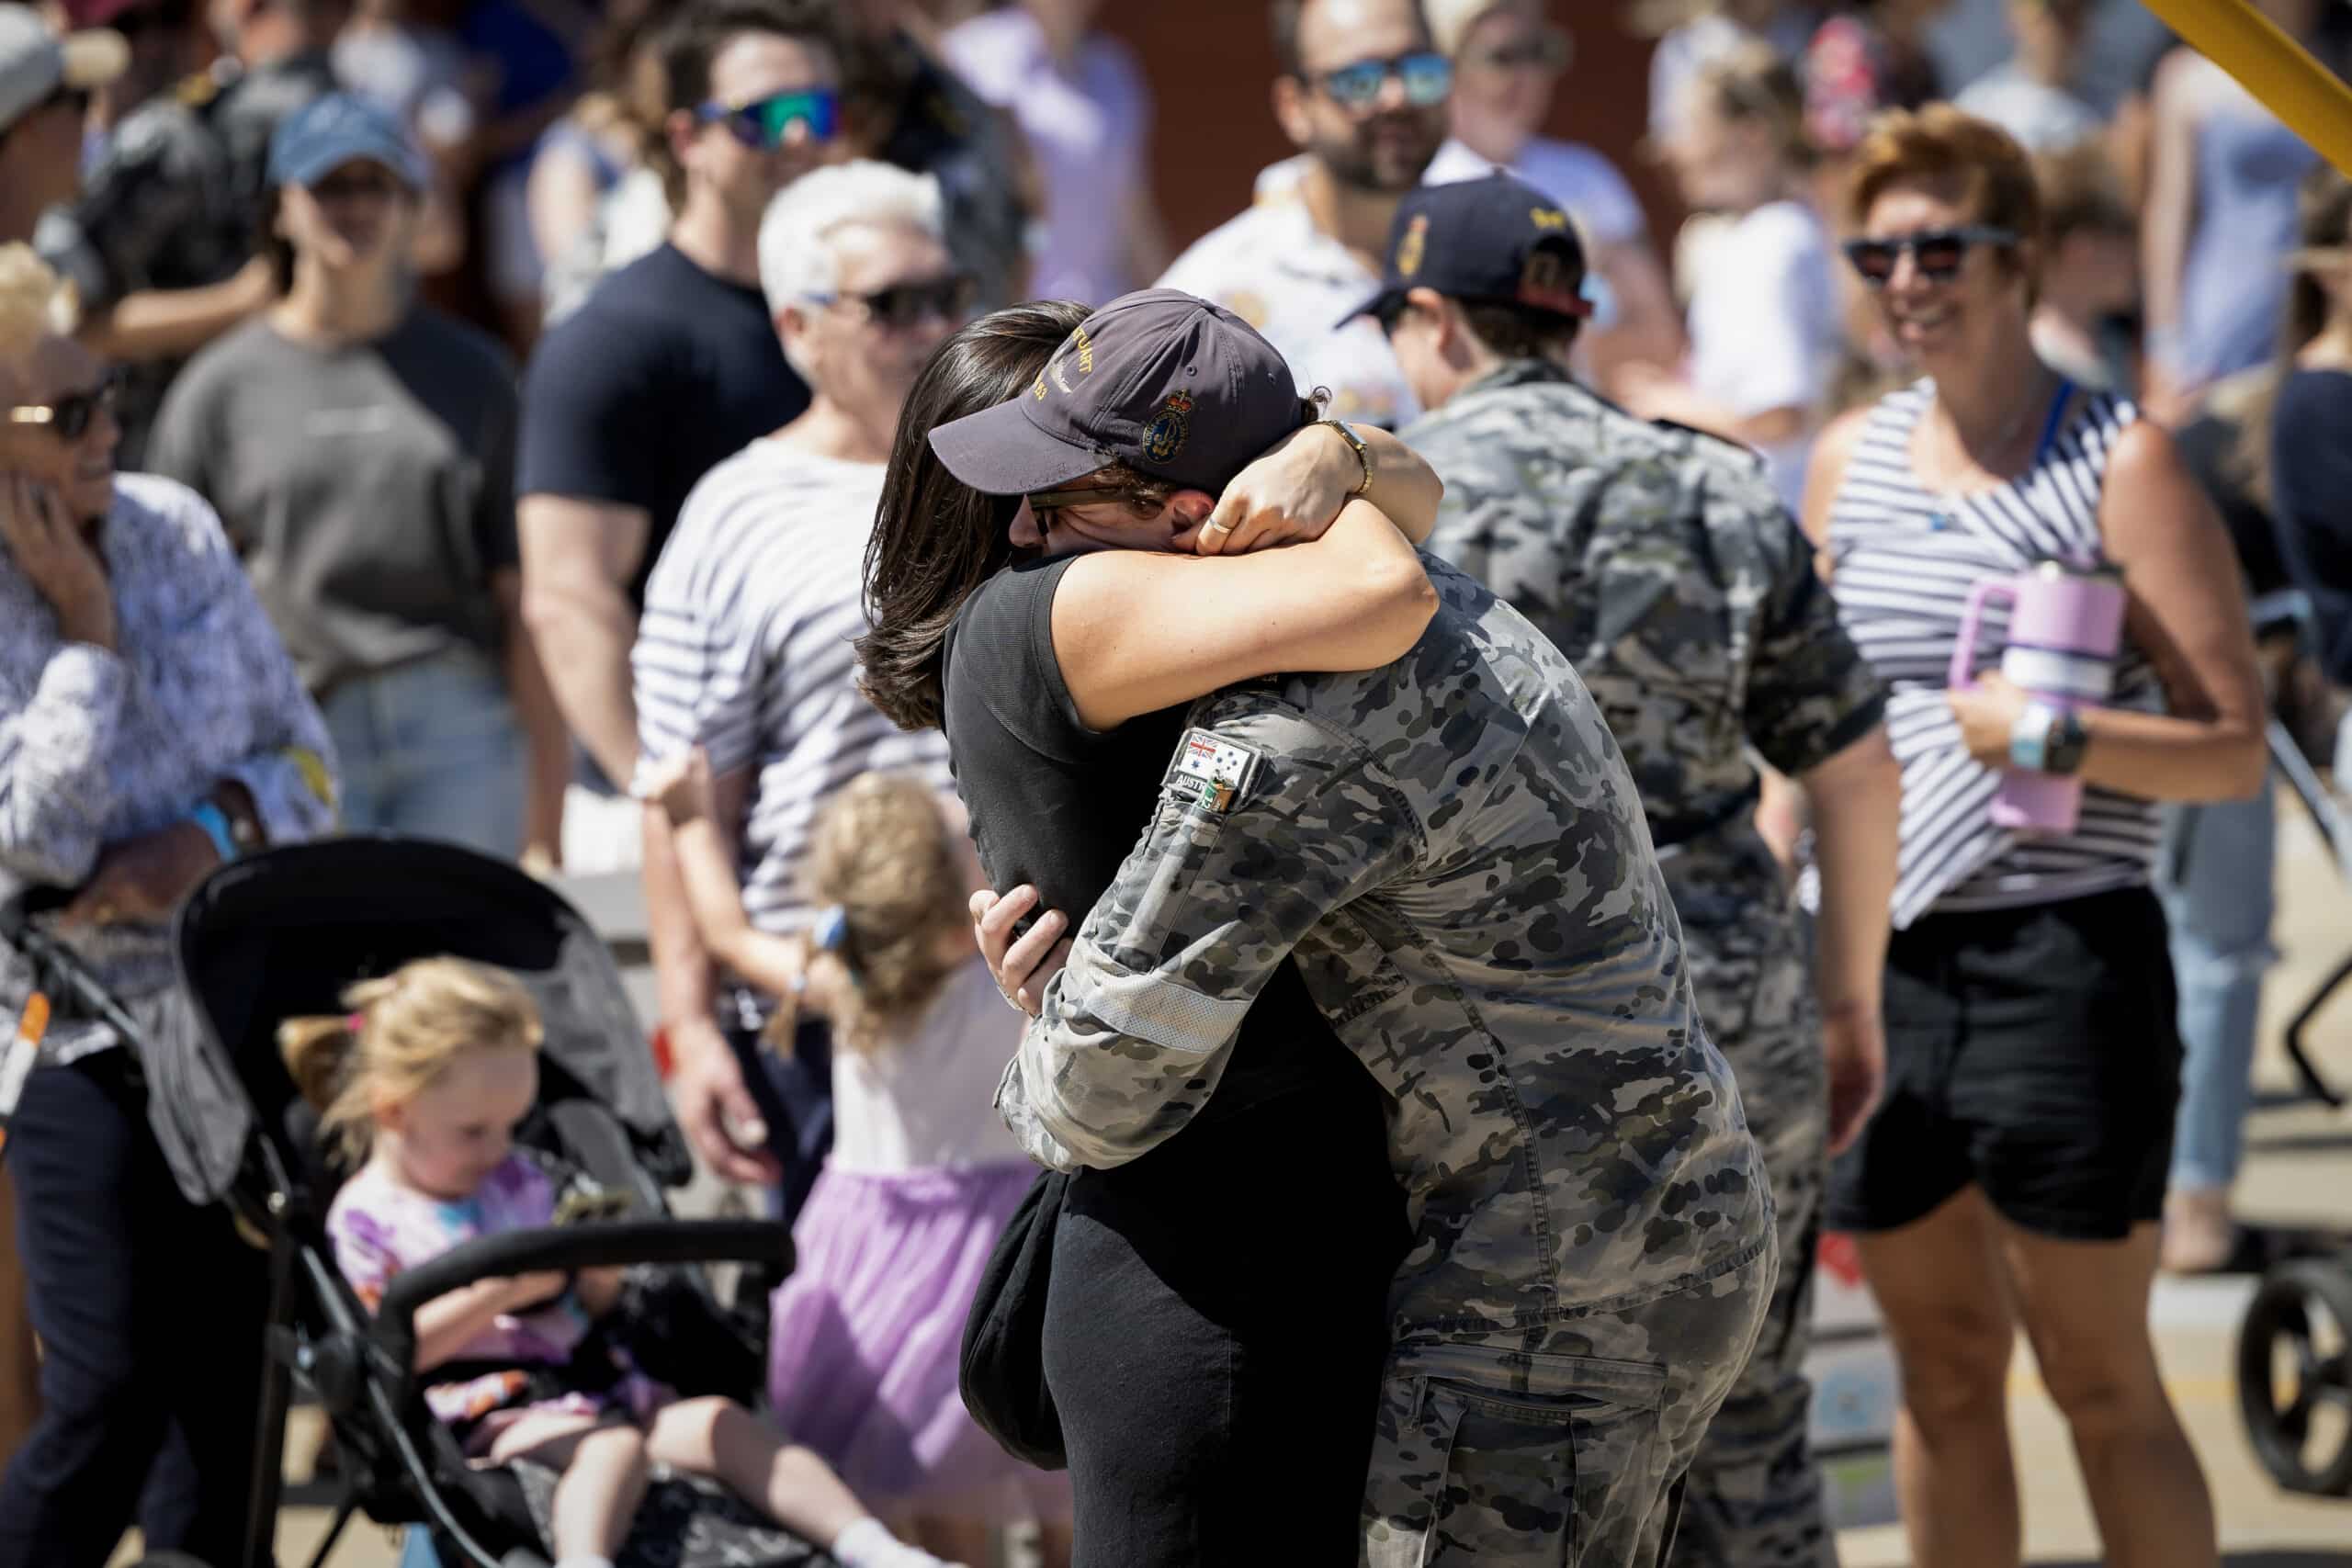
421 1085
922 1176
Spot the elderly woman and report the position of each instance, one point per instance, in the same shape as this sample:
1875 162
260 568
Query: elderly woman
2016 1169
151 728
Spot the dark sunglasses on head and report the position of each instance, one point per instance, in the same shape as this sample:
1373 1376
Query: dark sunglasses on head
69 417
1938 252
1142 501
1546 50
909 304
1428 76
766 124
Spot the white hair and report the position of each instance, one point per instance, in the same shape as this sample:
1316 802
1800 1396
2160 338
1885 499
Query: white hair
797 261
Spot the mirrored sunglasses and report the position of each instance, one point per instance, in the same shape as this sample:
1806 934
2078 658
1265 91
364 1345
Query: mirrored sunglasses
766 124
69 418
1427 76
1939 254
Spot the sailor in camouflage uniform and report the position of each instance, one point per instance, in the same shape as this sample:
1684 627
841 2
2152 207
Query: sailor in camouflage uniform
1660 561
1451 849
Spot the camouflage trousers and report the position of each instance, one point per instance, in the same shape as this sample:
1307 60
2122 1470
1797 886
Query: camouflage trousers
1754 1499
1561 1446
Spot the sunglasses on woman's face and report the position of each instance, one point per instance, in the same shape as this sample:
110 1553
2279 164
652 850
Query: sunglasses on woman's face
766 124
69 417
1428 76
902 305
1939 254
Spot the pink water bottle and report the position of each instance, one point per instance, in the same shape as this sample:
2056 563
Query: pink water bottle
2065 623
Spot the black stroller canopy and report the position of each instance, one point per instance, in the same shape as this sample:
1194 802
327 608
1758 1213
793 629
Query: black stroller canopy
284 932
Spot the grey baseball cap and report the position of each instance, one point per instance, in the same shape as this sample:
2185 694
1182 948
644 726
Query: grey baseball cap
35 62
1169 385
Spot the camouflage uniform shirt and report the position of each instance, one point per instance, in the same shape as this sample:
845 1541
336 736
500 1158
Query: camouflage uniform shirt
1661 562
1451 848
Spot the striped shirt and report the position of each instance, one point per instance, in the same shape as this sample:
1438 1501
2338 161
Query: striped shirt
745 649
1904 561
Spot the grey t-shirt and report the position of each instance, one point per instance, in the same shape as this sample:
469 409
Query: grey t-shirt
369 488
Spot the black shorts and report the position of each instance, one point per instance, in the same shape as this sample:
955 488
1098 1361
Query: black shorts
2034 1051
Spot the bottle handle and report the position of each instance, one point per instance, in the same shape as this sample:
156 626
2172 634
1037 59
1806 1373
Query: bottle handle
1962 673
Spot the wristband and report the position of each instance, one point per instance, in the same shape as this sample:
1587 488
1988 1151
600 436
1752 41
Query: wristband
1356 442
215 823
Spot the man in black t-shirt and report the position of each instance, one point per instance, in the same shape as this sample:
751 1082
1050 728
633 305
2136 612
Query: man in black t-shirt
674 362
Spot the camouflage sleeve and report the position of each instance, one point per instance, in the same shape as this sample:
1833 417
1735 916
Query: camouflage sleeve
1267 822
1811 693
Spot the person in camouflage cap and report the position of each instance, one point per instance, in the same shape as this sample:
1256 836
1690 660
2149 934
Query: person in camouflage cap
1661 562
1452 853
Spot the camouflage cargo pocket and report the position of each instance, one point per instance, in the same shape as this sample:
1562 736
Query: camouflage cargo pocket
1492 1475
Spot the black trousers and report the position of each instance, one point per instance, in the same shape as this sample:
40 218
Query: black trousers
1215 1331
150 1312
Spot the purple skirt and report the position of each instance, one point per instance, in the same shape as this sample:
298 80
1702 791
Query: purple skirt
864 1340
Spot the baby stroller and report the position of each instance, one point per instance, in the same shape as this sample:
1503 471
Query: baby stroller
2295 1366
282 934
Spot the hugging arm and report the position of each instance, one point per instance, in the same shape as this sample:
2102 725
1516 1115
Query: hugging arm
1135 631
1138 1025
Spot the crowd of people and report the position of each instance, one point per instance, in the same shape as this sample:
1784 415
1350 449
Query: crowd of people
1432 702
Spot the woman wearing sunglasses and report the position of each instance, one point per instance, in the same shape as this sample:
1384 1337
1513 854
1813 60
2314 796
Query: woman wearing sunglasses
150 728
2016 1169
359 447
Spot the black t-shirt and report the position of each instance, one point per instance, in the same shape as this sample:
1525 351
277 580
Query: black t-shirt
2311 473
1060 805
635 395
2208 444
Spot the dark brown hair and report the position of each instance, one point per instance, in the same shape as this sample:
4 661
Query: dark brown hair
936 539
696 35
1511 332
2324 203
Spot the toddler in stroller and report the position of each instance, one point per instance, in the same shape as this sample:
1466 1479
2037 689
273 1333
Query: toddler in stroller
422 1084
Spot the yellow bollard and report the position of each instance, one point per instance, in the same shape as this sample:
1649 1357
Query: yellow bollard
2270 65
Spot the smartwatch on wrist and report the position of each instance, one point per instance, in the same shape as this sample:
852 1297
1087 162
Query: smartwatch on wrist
2047 739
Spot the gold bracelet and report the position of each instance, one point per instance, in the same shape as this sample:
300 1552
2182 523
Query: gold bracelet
1363 452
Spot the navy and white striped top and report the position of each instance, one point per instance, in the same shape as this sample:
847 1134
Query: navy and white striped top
1904 560
745 649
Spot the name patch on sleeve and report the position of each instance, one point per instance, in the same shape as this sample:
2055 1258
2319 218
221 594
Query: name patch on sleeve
1211 772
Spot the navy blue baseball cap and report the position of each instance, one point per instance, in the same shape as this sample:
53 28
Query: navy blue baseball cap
1169 385
1493 240
341 128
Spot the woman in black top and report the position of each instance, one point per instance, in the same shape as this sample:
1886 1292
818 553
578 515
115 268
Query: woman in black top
1214 1327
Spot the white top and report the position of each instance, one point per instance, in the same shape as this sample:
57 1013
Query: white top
2042 118
1585 184
744 648
1273 268
1089 129
1764 325
929 1100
